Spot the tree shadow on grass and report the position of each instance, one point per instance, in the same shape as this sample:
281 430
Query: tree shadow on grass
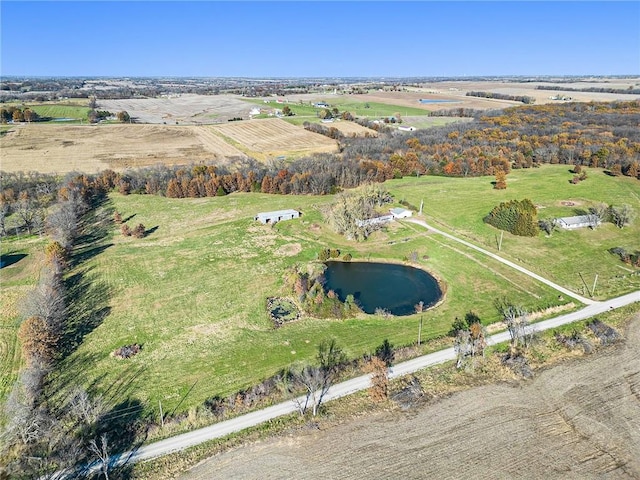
151 230
122 427
96 228
87 307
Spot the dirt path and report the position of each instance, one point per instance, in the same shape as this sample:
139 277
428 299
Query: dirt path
578 420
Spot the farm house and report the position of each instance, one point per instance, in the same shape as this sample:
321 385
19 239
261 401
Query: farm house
580 221
276 216
400 213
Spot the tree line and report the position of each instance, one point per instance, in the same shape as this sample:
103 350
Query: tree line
503 96
630 90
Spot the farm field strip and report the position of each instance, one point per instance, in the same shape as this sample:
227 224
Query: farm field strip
275 135
61 148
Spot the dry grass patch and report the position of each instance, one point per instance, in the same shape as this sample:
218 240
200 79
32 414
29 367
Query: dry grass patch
92 148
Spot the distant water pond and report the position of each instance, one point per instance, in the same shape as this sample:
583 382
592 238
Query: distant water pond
62 119
427 100
395 288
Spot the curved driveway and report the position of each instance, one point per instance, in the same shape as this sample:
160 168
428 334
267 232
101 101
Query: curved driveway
567 292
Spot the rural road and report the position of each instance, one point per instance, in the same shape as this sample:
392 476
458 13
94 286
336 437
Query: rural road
567 292
186 440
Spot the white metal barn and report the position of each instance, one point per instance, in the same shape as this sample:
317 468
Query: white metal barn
400 213
276 216
579 221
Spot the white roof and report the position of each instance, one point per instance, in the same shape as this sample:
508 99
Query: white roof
278 213
579 219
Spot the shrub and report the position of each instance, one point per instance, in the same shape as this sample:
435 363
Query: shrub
324 254
127 351
126 231
347 257
140 231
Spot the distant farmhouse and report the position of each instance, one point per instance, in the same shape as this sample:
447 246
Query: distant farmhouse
276 216
396 214
400 213
580 221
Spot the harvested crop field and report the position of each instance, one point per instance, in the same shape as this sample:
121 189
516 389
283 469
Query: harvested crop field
271 137
578 420
92 148
186 108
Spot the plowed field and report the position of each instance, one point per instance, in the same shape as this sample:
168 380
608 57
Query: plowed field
273 137
579 420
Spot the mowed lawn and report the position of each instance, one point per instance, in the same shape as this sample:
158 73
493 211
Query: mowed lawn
459 205
193 294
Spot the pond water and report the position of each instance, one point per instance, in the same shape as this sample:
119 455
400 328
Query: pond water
427 100
395 288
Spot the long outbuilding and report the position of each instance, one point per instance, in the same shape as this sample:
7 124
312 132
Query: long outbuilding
579 221
276 216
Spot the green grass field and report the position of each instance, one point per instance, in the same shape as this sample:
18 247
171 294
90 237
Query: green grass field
61 111
21 259
358 109
461 204
193 292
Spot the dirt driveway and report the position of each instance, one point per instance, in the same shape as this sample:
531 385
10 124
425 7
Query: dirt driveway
578 420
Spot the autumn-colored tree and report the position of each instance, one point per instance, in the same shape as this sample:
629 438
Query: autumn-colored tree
124 187
123 116
174 189
616 170
126 231
38 340
117 218
501 180
379 389
633 170
56 255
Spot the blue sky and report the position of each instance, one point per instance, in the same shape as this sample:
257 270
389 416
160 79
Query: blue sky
301 39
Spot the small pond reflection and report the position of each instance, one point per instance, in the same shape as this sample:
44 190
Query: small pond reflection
395 288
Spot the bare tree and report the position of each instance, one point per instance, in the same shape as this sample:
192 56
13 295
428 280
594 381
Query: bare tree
62 223
601 211
100 449
462 348
318 379
517 322
621 216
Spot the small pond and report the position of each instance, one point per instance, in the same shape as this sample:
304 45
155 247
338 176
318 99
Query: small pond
395 288
428 100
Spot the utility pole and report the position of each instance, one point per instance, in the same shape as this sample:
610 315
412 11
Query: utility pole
161 414
500 242
593 290
420 331
585 283
421 204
